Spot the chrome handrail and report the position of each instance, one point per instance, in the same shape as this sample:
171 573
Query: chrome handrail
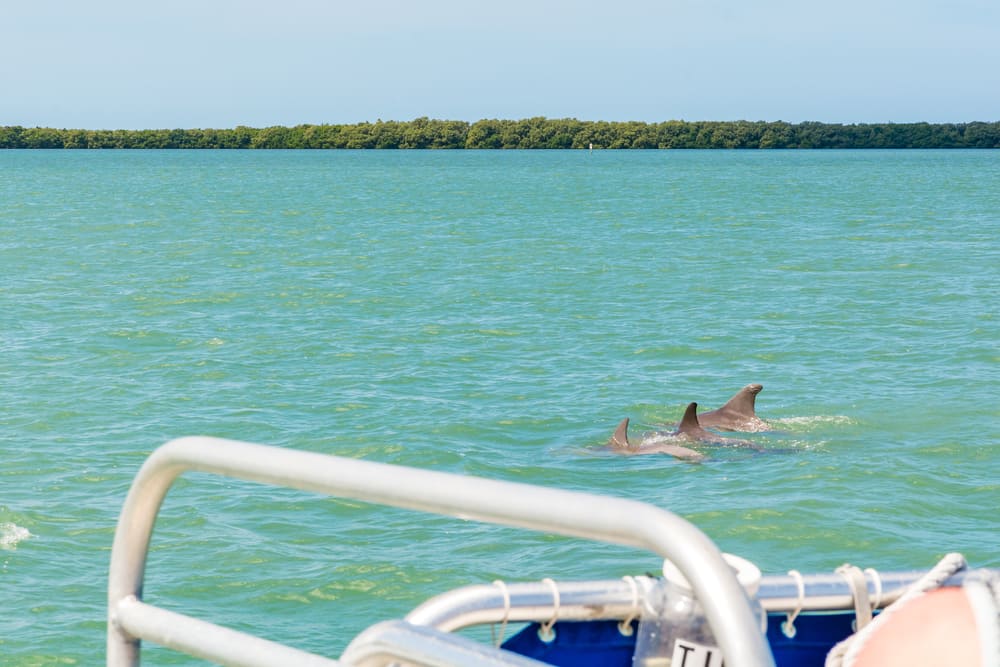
570 513
617 599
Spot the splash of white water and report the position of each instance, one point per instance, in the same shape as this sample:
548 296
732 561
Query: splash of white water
11 534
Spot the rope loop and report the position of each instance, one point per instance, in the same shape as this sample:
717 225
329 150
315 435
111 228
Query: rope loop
877 578
546 633
846 651
859 593
625 626
506 613
788 625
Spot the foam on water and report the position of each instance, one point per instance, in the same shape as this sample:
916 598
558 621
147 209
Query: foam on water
11 534
806 423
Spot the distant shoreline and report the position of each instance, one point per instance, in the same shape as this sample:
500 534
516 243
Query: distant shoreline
531 133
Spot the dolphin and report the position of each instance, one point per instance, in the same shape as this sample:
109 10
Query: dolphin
622 445
691 428
738 413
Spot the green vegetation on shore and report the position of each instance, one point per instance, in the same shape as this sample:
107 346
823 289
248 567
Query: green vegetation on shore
527 133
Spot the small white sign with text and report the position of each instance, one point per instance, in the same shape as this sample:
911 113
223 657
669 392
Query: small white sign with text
690 654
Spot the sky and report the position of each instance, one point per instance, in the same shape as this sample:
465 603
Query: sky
127 64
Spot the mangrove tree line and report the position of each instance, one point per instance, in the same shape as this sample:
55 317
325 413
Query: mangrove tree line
527 133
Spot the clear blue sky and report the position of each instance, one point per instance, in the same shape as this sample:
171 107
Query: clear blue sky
108 64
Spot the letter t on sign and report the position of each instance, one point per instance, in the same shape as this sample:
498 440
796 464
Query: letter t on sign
689 654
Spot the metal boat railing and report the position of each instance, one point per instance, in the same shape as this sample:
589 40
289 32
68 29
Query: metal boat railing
556 511
617 599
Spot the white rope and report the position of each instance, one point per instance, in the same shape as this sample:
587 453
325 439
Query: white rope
649 607
546 633
506 613
877 578
845 652
788 626
625 627
859 592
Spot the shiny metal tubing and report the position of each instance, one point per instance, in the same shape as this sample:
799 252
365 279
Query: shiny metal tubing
830 592
531 601
614 599
556 511
209 641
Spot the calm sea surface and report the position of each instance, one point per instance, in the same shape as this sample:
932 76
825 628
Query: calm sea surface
488 313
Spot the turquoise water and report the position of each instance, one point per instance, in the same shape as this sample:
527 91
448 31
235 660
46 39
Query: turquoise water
488 313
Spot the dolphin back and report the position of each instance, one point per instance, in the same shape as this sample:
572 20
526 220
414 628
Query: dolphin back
744 401
689 422
620 443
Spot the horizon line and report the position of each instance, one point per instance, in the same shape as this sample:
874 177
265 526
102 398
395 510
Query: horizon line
501 120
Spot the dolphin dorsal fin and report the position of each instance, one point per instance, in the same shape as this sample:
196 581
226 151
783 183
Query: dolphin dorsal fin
620 438
744 401
690 420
